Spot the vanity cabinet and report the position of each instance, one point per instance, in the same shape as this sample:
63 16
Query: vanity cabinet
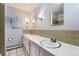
30 48
33 49
45 53
36 50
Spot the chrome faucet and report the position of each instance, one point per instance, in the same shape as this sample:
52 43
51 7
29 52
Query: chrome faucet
53 40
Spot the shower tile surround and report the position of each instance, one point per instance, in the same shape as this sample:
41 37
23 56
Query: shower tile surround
67 36
2 37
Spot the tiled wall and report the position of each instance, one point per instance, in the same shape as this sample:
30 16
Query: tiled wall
67 36
2 29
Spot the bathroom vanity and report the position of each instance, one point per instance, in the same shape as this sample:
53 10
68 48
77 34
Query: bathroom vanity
33 47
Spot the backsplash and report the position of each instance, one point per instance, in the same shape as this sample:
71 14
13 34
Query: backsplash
67 36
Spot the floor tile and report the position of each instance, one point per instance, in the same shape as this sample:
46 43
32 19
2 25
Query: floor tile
16 52
12 51
7 53
13 54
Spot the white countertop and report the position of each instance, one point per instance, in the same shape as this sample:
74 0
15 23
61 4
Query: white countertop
64 50
0 54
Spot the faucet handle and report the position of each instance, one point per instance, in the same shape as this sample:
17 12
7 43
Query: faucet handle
53 40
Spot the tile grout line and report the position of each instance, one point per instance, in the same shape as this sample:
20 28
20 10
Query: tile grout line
9 53
16 51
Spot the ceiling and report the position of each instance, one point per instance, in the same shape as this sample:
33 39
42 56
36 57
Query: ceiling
29 7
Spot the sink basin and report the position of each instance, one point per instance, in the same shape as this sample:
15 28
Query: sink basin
50 44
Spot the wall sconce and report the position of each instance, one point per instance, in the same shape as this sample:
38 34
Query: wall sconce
41 17
33 21
27 21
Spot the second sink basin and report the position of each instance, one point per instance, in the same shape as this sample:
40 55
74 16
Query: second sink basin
50 44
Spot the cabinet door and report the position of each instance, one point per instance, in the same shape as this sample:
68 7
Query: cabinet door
23 40
45 53
34 51
26 44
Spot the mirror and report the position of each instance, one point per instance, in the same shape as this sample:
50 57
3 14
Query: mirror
57 15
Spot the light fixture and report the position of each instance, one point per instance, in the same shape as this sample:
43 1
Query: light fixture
41 14
41 17
33 21
27 21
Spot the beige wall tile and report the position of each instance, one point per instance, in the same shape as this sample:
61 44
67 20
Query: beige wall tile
67 36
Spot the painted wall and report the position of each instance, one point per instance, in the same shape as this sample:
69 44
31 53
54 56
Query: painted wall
71 18
20 14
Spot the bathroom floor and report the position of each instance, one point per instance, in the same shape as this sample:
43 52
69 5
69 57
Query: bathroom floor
16 52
